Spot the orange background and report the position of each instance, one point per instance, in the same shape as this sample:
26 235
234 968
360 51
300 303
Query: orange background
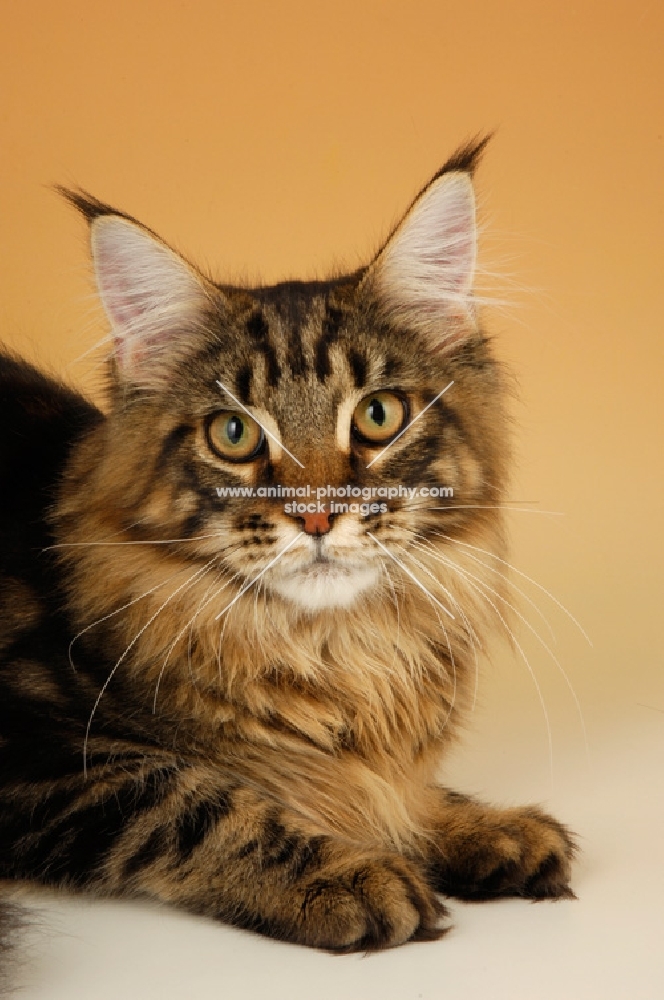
283 138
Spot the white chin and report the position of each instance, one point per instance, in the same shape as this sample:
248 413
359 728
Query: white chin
325 585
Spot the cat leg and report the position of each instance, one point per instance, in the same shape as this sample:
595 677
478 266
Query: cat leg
258 866
481 852
177 831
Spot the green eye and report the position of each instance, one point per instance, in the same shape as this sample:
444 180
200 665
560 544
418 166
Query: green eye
379 417
235 436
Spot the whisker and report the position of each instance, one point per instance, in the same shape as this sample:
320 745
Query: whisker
203 603
159 541
113 613
457 569
411 575
525 576
111 534
257 628
259 575
133 642
395 600
222 630
482 506
472 634
548 649
519 590
190 624
452 660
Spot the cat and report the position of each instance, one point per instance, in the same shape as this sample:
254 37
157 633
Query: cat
233 704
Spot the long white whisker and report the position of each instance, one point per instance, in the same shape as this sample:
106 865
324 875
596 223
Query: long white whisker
133 642
112 614
190 624
520 573
222 630
395 600
259 575
159 541
486 587
472 634
411 575
202 604
257 626
519 590
457 569
449 649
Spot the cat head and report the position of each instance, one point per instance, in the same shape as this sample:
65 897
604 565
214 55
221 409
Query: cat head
287 432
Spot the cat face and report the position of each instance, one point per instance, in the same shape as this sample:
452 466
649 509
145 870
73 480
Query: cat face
287 432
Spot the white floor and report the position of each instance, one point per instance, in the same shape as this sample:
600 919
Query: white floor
608 944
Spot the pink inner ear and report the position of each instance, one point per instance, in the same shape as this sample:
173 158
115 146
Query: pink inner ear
425 273
152 297
456 257
444 224
124 306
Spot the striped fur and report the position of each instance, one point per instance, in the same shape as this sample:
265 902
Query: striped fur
276 767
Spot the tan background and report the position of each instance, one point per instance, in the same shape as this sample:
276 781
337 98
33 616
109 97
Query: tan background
282 138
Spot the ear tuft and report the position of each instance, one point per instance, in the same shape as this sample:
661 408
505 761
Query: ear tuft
466 157
85 203
154 300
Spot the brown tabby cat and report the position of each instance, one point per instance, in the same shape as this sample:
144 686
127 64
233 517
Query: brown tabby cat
235 704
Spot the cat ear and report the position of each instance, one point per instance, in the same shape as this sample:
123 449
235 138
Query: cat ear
423 276
154 300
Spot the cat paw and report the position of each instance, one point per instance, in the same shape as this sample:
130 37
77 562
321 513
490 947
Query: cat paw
515 852
378 904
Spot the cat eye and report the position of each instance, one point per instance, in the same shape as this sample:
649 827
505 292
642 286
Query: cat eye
379 417
235 436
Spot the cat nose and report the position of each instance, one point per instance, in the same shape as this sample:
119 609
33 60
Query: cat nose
316 524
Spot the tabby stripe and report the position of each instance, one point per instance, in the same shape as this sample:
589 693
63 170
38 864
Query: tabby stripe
18 819
358 367
309 856
278 848
330 334
171 445
392 369
197 823
295 355
247 849
450 416
153 848
257 328
195 522
79 842
243 384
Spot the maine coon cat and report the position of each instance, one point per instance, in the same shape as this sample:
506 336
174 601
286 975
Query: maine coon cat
238 708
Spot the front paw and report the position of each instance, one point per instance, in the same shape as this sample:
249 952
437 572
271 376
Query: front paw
511 852
373 904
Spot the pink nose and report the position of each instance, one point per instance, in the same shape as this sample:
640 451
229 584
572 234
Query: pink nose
316 524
